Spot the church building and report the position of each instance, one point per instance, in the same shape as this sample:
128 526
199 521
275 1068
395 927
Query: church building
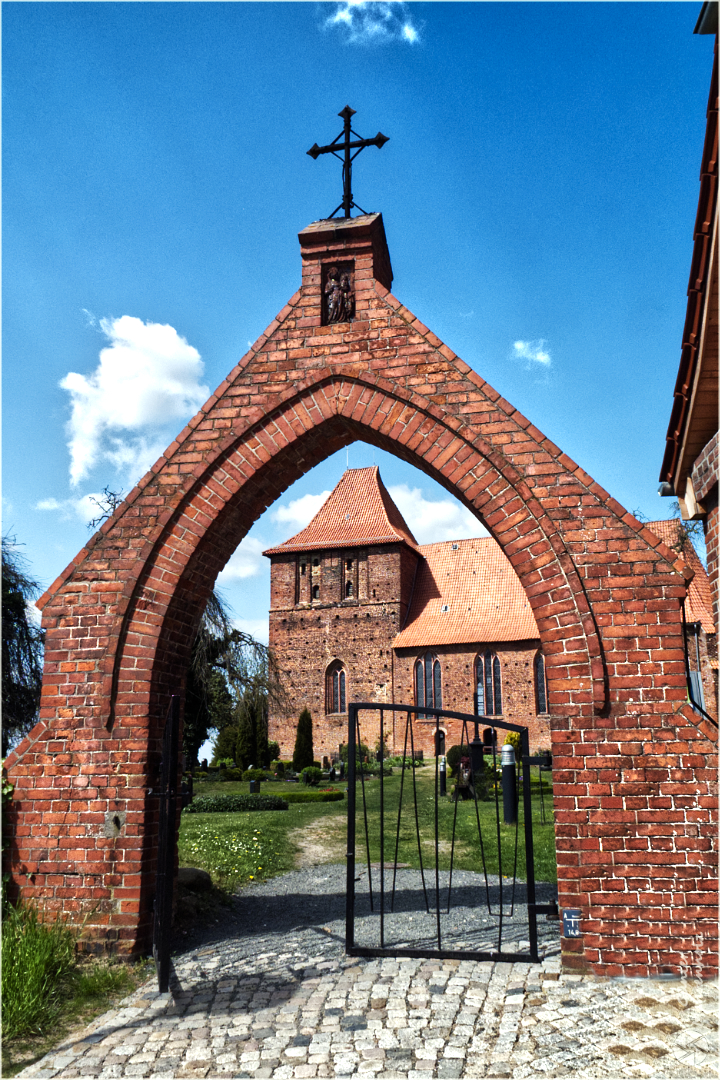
359 611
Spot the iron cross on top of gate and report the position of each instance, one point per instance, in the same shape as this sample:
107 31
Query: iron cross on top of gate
347 145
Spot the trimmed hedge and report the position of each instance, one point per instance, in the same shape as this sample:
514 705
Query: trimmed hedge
226 804
314 796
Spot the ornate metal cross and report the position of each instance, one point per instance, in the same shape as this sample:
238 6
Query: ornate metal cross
347 145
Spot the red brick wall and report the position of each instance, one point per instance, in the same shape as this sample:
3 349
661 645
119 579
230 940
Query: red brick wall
635 780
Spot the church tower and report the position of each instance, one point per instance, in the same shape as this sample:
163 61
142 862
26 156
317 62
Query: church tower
339 594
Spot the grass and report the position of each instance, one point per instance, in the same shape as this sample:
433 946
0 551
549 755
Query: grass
238 848
45 988
467 855
37 959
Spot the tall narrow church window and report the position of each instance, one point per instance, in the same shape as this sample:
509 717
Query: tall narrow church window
348 588
540 684
488 685
428 682
335 693
316 592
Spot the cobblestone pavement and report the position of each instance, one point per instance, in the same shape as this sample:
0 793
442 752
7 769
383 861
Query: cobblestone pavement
262 1003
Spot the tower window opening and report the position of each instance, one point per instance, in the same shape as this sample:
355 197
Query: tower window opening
348 588
316 592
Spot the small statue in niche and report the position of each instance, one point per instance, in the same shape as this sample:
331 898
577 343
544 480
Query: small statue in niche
348 296
339 297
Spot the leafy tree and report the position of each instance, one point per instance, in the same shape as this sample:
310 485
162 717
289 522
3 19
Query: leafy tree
22 648
303 753
230 681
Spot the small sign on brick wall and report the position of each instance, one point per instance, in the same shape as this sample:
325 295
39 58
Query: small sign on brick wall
571 922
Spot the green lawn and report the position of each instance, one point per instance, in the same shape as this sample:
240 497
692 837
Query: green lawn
467 855
237 848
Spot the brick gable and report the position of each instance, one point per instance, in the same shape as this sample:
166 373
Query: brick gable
634 773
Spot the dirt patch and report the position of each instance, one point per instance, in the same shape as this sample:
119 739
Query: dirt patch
321 841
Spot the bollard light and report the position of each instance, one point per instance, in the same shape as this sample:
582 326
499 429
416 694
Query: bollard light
509 784
476 755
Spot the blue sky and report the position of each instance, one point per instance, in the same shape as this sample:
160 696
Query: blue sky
538 191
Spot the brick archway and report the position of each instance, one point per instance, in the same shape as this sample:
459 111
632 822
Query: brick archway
632 789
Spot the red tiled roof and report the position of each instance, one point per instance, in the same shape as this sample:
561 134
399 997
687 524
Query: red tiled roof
698 605
359 511
475 581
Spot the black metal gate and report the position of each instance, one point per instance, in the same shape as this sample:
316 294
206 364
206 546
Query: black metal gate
166 845
489 908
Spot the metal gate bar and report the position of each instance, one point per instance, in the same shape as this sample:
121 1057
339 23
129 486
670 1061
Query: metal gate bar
533 908
166 845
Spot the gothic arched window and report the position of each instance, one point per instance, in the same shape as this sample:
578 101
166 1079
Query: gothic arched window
316 592
488 685
541 697
335 688
428 682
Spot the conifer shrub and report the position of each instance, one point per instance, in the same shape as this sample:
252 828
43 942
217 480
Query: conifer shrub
303 752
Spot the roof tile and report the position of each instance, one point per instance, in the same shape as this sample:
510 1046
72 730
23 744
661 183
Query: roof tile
467 591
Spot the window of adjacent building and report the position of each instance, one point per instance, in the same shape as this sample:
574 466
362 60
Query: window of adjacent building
428 682
348 564
335 696
348 588
541 697
316 562
302 567
316 592
488 685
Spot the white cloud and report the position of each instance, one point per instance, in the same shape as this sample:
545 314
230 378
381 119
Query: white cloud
532 352
85 508
300 512
147 377
257 628
374 21
247 561
433 521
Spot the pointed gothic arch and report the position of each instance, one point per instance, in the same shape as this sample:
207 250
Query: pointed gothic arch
121 619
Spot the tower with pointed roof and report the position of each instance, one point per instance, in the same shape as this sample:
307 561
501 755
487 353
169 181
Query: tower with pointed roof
340 592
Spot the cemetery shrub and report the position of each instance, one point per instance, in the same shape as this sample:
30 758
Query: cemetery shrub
226 804
310 795
256 774
453 757
311 775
